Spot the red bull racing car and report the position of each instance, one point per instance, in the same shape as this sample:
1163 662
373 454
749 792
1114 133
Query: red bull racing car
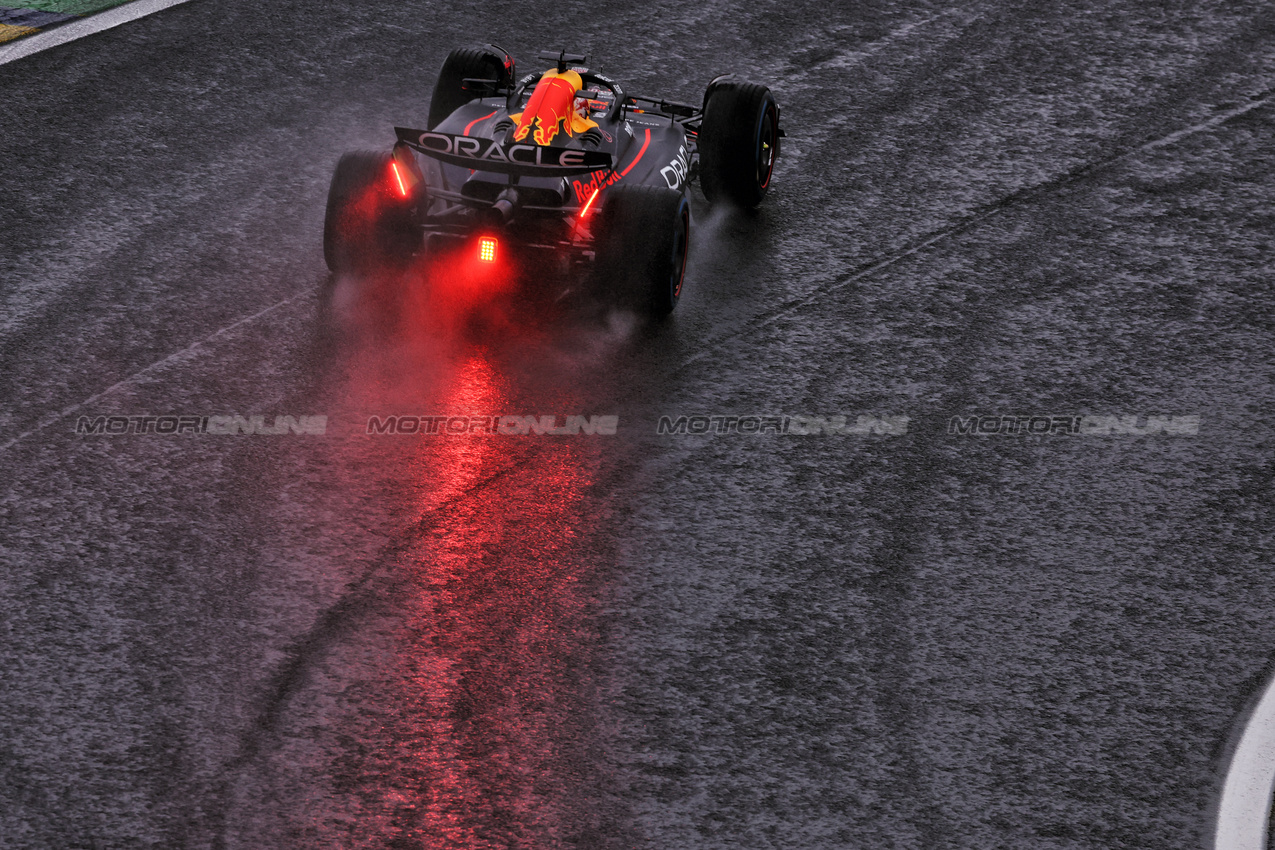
562 175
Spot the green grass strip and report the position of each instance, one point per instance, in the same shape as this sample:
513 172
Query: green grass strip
68 7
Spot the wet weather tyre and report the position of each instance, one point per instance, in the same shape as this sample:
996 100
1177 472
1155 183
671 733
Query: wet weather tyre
463 63
365 225
645 232
738 142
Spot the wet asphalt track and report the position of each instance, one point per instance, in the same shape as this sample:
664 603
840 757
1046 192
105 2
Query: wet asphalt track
644 641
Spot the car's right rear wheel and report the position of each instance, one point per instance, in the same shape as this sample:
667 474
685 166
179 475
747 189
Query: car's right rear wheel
644 241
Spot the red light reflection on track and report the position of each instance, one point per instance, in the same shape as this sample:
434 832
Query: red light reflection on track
491 721
456 283
453 694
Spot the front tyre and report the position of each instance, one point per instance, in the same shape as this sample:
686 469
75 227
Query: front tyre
369 223
738 142
644 243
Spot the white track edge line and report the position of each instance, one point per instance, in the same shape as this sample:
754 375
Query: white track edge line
58 417
70 31
1243 814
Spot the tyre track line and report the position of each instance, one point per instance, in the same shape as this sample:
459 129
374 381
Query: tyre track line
1014 199
370 592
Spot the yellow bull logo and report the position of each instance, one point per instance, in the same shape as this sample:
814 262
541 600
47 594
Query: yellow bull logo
552 108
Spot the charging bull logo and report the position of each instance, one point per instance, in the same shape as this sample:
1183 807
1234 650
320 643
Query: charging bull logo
551 109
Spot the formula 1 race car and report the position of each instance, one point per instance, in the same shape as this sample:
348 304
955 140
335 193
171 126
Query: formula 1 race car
561 175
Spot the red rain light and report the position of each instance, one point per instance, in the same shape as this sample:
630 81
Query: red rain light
398 177
585 209
487 249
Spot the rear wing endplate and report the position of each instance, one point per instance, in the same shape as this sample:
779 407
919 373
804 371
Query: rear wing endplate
490 155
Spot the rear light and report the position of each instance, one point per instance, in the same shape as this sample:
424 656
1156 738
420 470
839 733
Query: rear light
487 249
404 173
589 203
398 178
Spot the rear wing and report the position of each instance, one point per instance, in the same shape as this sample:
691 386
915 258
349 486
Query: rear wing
490 155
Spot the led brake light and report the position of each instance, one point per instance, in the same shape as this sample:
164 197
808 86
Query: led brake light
585 209
487 249
398 178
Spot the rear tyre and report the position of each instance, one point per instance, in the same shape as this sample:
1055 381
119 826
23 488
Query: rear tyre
644 239
484 63
738 142
367 224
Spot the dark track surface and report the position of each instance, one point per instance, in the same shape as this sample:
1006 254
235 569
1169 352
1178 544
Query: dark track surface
644 641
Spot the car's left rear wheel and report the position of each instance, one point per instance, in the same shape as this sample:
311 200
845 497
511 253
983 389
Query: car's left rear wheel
370 221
